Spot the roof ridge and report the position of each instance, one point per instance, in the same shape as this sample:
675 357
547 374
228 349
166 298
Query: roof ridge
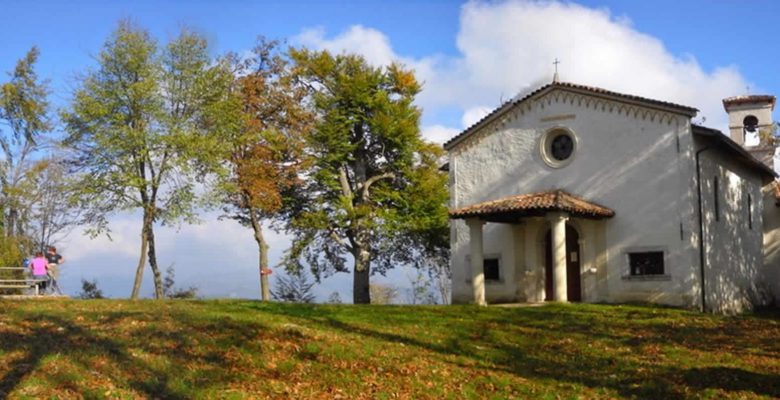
691 111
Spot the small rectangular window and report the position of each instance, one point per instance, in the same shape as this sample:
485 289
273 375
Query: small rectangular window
750 211
492 270
715 192
646 263
491 267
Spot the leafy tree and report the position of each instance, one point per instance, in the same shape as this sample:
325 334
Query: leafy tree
90 290
383 294
23 120
420 291
144 128
11 255
374 192
266 155
173 292
53 214
293 288
334 298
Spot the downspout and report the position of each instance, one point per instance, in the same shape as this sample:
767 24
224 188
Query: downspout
701 227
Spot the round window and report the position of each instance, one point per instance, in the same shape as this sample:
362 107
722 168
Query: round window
562 147
558 147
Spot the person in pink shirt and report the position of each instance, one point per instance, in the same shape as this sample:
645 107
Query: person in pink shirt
39 266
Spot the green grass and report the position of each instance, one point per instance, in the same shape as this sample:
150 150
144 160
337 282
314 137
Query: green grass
245 349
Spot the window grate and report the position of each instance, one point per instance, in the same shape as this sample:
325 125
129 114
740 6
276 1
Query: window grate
646 263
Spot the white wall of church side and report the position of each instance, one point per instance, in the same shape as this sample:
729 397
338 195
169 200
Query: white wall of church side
771 269
627 159
733 233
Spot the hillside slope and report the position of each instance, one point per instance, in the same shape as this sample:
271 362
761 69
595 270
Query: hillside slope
246 349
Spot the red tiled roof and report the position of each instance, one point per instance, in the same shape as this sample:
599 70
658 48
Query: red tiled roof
511 208
572 87
748 99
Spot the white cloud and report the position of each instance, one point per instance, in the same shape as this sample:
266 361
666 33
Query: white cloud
125 241
439 133
370 43
473 115
508 47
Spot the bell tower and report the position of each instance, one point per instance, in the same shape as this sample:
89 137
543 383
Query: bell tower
748 115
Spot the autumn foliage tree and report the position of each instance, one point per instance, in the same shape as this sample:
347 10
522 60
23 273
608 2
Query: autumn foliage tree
374 192
266 154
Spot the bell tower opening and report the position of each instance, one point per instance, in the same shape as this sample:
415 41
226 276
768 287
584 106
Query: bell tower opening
750 133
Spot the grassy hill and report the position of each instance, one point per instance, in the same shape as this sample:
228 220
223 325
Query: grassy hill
245 349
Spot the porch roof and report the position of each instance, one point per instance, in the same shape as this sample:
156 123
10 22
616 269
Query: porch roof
510 209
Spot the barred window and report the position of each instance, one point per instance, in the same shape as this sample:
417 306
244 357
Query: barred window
646 263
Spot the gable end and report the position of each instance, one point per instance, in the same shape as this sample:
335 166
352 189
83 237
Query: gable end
592 97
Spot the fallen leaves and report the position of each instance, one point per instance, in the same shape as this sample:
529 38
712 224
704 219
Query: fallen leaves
117 349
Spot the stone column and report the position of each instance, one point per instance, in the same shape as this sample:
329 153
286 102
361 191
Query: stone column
477 260
558 239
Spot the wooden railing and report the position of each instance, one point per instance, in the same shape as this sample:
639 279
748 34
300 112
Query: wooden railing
21 283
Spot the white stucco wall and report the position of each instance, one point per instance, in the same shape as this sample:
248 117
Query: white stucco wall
770 281
733 245
627 159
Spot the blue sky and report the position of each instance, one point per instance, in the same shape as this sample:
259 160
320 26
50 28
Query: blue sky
470 56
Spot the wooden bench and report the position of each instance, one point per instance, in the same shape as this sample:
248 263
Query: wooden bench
24 283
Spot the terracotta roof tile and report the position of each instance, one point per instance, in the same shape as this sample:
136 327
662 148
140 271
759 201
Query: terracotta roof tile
532 204
748 99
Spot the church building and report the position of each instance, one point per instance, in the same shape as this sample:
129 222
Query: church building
576 193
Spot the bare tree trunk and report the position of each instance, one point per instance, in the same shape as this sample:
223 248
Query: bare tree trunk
262 247
11 223
360 285
158 288
139 271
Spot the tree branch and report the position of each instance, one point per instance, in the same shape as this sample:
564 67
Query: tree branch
346 190
371 181
340 241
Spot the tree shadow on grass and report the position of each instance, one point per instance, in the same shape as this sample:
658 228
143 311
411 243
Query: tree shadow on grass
50 335
733 379
566 360
643 325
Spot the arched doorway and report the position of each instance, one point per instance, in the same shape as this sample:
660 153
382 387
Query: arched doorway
574 288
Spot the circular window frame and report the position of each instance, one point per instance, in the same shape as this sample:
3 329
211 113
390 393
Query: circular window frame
545 146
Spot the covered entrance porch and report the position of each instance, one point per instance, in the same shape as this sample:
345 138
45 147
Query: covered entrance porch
550 228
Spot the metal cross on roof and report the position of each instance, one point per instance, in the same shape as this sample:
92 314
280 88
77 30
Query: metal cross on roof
556 62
